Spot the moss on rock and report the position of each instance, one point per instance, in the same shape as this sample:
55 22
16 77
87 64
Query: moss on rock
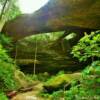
60 81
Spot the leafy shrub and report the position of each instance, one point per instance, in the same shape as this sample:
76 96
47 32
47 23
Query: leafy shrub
54 87
91 77
89 87
6 75
7 69
4 40
57 95
93 69
3 55
88 47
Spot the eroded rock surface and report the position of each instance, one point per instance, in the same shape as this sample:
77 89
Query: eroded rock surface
57 15
48 54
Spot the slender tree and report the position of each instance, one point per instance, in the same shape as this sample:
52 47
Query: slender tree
9 11
3 9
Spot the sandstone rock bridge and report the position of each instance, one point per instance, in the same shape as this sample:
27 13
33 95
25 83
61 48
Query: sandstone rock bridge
57 15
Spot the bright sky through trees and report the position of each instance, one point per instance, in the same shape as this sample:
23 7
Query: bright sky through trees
30 6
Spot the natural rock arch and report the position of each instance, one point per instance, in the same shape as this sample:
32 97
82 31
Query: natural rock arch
56 15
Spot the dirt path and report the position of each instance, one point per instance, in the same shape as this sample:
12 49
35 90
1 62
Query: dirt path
31 95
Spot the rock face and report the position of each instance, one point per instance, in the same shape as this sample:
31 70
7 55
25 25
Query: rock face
56 15
51 55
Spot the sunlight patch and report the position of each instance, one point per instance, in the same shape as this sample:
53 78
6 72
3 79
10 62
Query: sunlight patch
30 6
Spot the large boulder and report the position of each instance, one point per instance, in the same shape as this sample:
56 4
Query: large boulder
60 81
56 15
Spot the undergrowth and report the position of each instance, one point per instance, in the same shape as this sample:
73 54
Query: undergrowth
88 87
7 69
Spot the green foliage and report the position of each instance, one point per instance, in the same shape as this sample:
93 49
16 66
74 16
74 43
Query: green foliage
32 77
38 77
45 37
91 77
89 89
80 93
54 87
57 81
7 68
93 69
2 2
57 95
43 76
14 11
88 47
3 55
61 79
10 11
4 40
44 95
6 76
3 96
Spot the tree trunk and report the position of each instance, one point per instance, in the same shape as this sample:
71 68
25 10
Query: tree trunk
3 9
